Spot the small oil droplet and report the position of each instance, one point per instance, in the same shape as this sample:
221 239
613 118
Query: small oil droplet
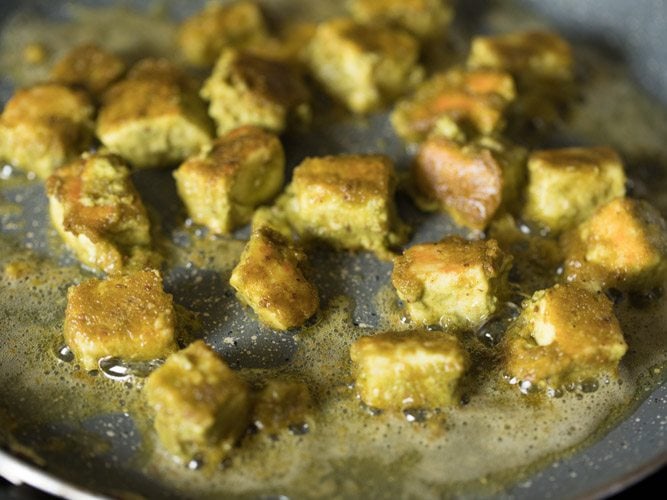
299 429
195 463
65 354
415 415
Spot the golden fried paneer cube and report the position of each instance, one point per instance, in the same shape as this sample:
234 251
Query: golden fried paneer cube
283 405
473 182
622 245
565 186
473 99
413 369
126 316
99 214
456 283
45 126
203 36
201 405
222 186
564 334
363 66
347 201
153 118
247 89
270 279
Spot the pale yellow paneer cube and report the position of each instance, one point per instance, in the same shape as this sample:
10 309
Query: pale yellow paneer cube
248 89
126 316
473 182
201 405
457 284
153 118
98 212
564 334
270 279
222 186
45 126
565 186
409 370
283 405
622 245
362 66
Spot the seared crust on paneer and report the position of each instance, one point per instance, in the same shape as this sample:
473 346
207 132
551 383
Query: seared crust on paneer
472 182
45 126
270 279
622 245
282 405
203 36
126 316
455 283
153 118
347 201
403 370
223 185
201 405
564 334
98 212
565 186
363 66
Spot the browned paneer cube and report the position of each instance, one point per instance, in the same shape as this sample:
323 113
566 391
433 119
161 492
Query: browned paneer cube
203 36
414 369
270 279
45 126
246 89
457 284
472 100
202 406
283 405
153 118
99 214
564 334
126 316
565 186
472 182
622 245
347 201
222 186
363 66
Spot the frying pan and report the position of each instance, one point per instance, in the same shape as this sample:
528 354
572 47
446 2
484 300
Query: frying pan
47 456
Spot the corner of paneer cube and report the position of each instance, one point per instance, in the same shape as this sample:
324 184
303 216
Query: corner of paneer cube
283 405
473 182
126 316
153 117
409 370
98 212
346 201
622 245
566 185
564 334
456 283
362 66
222 186
270 279
45 126
248 89
201 405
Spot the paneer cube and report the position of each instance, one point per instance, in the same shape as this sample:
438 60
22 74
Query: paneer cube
564 334
99 214
222 186
404 370
283 405
347 201
455 283
201 405
473 182
565 186
127 316
363 66
153 118
45 126
246 89
622 245
270 279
